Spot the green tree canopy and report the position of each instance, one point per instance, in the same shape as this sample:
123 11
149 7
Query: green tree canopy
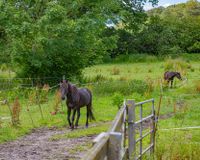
59 37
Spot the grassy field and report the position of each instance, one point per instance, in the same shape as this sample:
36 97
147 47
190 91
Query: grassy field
139 81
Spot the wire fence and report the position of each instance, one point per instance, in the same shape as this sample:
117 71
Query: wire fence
7 84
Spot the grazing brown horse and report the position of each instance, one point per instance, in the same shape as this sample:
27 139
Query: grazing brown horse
169 76
76 98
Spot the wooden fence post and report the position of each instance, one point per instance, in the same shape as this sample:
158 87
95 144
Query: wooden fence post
131 128
153 128
115 146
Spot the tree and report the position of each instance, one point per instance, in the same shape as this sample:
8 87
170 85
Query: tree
55 38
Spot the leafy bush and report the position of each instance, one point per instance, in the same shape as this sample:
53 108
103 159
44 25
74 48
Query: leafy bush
117 99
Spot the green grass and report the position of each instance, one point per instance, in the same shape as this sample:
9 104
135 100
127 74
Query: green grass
117 79
9 132
84 132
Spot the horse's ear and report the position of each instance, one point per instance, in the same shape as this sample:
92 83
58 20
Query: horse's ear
65 81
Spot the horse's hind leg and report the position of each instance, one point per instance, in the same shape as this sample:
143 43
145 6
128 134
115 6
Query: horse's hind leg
87 114
78 116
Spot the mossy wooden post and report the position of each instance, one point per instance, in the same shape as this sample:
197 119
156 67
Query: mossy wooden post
115 146
38 102
153 128
131 128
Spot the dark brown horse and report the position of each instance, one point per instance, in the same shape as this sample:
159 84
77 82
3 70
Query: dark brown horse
76 98
169 76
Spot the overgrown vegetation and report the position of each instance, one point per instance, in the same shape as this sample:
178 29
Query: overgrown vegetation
44 39
181 103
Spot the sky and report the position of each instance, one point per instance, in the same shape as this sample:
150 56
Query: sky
164 3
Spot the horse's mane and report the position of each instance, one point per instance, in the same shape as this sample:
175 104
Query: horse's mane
73 91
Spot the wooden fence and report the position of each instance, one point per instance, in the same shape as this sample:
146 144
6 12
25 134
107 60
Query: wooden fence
112 145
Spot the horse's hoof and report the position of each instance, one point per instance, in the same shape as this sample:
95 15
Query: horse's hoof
86 126
72 127
75 127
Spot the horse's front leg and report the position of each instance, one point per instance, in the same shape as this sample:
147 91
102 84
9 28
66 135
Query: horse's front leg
87 116
68 116
73 117
171 83
78 116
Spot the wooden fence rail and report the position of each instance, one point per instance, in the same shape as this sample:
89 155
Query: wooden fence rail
111 145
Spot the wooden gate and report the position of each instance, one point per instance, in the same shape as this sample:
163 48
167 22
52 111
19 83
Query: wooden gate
111 145
132 124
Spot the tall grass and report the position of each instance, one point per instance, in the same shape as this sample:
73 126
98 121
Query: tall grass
125 88
177 65
134 58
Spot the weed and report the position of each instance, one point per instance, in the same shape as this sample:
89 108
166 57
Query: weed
44 93
99 78
115 71
97 70
57 102
197 86
16 108
81 148
123 78
192 69
149 70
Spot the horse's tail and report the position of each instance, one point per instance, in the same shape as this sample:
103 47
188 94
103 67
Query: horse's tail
91 116
90 108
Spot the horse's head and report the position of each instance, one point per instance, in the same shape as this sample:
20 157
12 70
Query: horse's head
178 75
64 89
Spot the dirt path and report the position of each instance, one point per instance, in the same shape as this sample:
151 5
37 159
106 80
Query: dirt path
39 146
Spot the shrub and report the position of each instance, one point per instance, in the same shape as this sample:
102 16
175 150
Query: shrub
117 99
